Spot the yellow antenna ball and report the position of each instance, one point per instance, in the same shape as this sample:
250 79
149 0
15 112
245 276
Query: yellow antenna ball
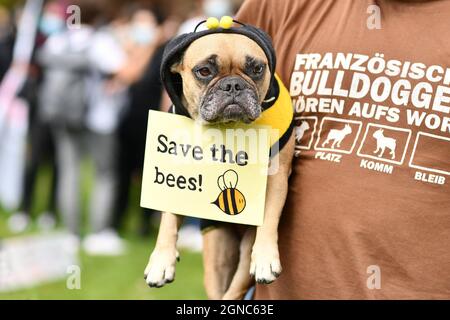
212 23
226 22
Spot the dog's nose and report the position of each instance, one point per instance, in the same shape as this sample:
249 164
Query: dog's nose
232 84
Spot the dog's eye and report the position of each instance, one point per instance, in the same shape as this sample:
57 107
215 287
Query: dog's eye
204 72
258 69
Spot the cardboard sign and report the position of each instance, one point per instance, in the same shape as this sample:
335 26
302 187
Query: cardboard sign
210 172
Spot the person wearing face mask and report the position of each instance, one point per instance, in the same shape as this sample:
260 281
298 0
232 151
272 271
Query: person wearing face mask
145 44
202 9
143 33
107 100
217 8
52 21
83 106
124 87
62 99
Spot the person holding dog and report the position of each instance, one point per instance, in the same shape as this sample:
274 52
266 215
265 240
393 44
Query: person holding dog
365 225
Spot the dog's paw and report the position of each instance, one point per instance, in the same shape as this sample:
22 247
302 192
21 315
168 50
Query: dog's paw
160 269
265 265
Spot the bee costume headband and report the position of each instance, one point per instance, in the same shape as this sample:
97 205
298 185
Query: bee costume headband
277 108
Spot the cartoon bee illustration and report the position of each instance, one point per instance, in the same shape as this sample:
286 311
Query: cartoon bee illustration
230 200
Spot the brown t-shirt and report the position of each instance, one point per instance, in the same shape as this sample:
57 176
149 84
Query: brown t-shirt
368 210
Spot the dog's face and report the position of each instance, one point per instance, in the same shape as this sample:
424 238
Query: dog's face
225 78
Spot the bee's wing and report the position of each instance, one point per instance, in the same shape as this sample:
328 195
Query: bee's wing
230 178
221 183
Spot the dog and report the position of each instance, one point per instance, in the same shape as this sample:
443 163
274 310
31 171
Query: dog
225 77
337 136
383 143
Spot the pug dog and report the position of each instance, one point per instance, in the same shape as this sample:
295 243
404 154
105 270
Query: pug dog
225 78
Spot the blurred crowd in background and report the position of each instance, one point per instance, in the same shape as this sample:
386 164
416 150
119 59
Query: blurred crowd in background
88 91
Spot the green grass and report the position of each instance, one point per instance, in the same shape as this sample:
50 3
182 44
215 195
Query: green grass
122 278
112 277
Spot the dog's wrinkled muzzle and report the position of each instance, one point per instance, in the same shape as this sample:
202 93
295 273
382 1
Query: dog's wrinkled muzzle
230 99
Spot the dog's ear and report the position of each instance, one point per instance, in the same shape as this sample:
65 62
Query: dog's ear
177 65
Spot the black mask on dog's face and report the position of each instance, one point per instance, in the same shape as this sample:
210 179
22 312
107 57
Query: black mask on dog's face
225 78
231 98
